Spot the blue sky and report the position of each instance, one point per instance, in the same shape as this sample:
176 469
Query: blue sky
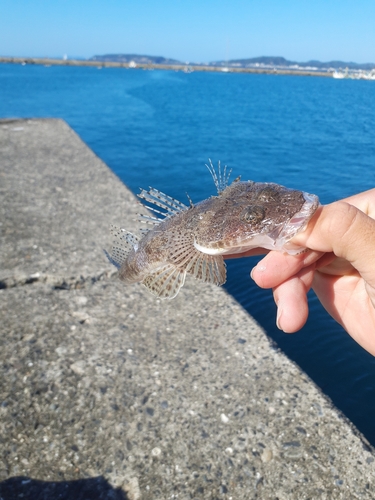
190 30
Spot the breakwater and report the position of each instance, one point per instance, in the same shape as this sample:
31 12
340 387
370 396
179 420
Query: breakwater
172 67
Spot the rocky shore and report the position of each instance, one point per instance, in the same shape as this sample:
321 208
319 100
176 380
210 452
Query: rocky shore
109 393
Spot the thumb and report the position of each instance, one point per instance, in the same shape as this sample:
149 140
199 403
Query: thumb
346 231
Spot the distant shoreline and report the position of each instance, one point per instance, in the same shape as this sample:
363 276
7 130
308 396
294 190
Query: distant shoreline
174 67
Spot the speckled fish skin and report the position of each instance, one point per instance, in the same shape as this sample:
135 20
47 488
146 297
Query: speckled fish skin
253 214
192 240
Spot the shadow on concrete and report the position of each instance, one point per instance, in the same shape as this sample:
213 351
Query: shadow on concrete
96 488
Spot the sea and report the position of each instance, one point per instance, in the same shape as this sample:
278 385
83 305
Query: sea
159 128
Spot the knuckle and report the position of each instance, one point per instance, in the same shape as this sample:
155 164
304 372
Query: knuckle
340 220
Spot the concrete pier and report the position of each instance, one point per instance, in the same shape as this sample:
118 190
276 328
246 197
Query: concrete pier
109 393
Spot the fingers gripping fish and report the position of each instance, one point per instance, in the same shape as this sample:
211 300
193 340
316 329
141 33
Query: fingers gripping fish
193 239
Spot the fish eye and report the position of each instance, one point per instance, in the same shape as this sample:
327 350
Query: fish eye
267 194
253 214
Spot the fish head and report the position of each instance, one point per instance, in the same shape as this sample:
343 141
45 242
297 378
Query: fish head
249 215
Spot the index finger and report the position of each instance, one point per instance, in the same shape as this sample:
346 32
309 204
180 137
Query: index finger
276 267
249 253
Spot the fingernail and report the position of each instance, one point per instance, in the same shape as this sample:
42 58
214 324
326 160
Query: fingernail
278 317
259 267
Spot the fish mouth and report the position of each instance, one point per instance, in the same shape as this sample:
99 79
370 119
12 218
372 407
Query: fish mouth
257 241
232 247
210 251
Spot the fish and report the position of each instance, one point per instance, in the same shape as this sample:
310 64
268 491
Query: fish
192 239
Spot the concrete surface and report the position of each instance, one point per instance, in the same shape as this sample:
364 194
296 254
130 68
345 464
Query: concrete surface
109 393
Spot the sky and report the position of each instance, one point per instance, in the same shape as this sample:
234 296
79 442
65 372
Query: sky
190 30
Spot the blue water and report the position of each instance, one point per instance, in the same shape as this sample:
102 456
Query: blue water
159 128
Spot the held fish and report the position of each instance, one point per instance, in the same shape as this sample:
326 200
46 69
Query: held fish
193 239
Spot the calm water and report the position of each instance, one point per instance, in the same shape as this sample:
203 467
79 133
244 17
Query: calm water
159 128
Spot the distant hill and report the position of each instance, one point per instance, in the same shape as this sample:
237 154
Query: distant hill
285 63
139 59
339 64
254 62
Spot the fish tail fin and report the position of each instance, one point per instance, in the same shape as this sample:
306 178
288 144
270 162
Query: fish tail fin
166 282
123 242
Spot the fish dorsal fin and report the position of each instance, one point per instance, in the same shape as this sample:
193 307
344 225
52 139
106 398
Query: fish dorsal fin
209 268
167 203
123 242
190 200
166 282
221 179
149 220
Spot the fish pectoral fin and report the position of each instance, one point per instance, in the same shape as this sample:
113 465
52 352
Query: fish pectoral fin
123 242
209 268
166 282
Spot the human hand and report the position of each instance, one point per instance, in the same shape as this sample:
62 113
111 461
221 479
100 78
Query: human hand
339 266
